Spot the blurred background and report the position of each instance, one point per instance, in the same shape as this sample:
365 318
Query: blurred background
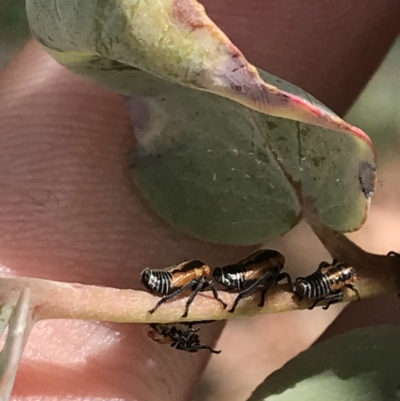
14 31
253 348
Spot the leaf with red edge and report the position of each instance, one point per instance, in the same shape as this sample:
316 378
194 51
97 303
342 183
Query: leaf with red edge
220 162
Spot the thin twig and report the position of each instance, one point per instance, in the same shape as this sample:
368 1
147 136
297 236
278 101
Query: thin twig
377 275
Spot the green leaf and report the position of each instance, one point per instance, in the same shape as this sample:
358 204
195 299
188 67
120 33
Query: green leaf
359 365
219 163
171 39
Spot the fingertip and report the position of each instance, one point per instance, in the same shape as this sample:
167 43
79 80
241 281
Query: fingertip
70 212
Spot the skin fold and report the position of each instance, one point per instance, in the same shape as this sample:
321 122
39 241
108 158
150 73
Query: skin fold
69 210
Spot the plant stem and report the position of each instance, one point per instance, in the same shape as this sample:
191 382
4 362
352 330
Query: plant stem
377 275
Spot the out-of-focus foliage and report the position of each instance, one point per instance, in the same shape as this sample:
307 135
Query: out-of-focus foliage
359 365
377 111
14 30
13 18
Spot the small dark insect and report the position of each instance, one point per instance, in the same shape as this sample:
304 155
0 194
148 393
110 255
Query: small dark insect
260 270
184 339
175 280
326 284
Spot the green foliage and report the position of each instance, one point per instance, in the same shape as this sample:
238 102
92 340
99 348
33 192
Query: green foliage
359 365
219 163
225 173
13 19
14 29
377 109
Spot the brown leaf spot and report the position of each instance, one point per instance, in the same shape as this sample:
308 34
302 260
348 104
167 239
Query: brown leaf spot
367 178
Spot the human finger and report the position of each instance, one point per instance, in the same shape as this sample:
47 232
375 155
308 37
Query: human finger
70 212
